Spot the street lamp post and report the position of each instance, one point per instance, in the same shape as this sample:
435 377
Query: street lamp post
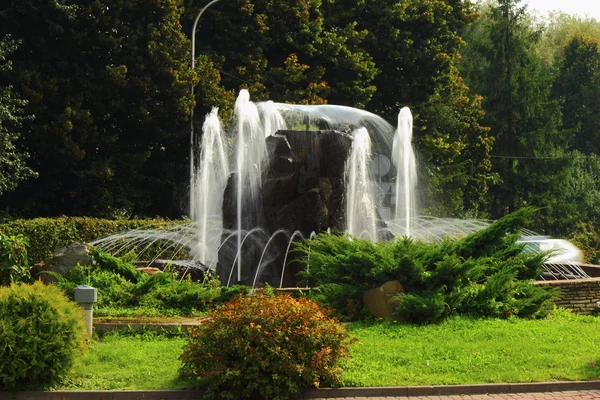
192 168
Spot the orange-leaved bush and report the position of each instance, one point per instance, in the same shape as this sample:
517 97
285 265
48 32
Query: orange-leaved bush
266 345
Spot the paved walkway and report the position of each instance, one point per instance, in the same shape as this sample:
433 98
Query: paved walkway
569 395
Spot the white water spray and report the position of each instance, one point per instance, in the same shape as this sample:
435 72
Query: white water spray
208 188
360 198
403 158
250 159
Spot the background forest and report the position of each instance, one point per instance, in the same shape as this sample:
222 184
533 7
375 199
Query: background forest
95 98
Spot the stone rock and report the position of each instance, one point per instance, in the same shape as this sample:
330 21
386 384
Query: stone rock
379 300
149 270
303 190
65 259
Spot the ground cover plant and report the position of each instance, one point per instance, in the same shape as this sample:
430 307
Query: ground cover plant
123 291
485 274
460 350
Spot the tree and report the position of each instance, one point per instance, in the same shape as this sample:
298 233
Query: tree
109 83
577 87
414 45
457 149
284 51
559 29
13 167
502 66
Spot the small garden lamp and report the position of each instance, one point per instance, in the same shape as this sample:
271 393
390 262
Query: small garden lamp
86 296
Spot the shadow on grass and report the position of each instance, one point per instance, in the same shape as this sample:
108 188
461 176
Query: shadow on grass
592 369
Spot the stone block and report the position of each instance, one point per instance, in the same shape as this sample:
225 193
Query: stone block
379 300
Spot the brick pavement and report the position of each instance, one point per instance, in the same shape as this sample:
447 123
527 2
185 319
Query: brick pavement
568 395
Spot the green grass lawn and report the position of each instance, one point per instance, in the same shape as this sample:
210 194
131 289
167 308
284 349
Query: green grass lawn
458 351
464 351
143 362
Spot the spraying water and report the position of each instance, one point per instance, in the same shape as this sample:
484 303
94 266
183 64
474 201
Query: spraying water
272 119
208 187
250 159
360 199
403 158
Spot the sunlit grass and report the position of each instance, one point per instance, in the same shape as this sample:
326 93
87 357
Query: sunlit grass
465 351
143 362
458 351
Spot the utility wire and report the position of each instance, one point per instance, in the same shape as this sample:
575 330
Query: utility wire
543 158
235 77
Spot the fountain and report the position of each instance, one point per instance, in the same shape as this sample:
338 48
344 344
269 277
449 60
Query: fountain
296 170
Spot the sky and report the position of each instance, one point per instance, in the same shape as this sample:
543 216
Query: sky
580 7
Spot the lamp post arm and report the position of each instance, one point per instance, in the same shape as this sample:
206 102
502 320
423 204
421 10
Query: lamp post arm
192 164
194 30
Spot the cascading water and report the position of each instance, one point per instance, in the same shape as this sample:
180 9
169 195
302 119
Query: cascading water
250 161
272 119
319 180
208 186
403 158
305 195
360 200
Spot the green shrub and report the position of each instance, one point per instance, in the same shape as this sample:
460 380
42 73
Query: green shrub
266 345
13 259
229 292
41 332
484 274
586 237
48 234
114 264
165 291
120 285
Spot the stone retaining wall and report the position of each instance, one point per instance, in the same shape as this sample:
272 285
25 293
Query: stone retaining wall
579 295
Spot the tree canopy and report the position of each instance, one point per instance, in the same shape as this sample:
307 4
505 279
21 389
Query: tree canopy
97 96
108 83
13 161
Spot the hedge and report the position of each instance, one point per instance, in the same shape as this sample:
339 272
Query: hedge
48 234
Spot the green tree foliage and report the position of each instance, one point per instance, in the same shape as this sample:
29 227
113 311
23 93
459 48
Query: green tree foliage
284 51
578 88
529 149
458 167
559 29
109 83
484 274
13 166
413 44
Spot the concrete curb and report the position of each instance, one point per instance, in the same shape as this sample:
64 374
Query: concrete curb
488 388
393 391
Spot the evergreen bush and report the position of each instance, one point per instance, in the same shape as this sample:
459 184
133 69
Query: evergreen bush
120 284
484 274
41 332
268 345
